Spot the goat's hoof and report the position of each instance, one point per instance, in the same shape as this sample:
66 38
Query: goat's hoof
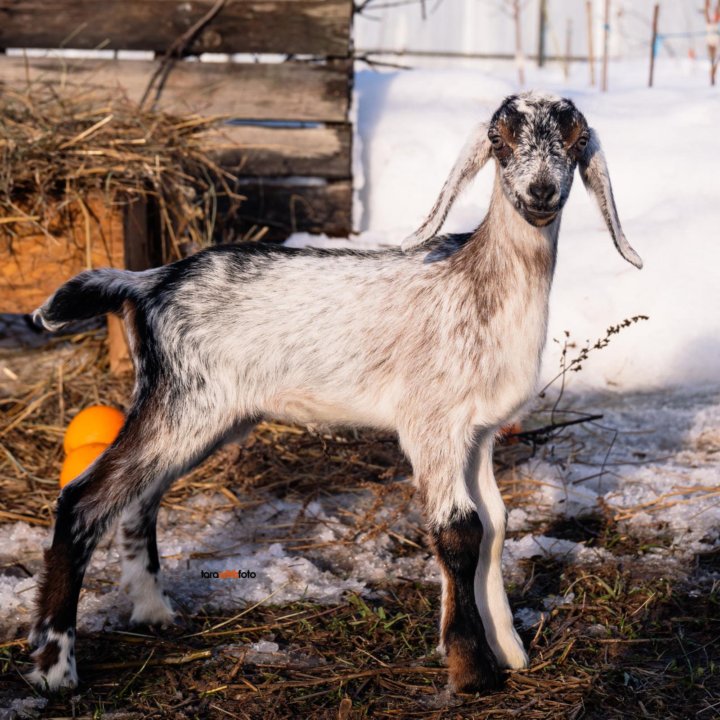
511 654
55 662
516 660
155 610
54 679
472 669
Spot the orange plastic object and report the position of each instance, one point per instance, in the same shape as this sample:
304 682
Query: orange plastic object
79 460
96 424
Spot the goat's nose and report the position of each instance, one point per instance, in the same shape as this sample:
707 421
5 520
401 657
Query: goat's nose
542 191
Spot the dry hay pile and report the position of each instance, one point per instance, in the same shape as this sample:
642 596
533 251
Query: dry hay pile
57 149
628 642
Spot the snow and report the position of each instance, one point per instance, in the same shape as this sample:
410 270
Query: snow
212 539
663 152
24 708
653 461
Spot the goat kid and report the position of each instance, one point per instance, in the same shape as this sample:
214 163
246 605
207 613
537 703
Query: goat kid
439 341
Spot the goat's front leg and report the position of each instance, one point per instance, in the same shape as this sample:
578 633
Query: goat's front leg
456 534
490 592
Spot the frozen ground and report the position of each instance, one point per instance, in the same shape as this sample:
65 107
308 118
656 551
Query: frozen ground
653 462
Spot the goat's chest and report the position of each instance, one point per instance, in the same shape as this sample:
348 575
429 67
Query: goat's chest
507 362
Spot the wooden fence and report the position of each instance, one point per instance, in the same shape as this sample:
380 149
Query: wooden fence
291 145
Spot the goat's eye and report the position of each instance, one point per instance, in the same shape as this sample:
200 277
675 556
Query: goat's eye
581 144
496 141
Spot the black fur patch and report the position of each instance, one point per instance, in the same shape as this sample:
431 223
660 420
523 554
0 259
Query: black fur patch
79 299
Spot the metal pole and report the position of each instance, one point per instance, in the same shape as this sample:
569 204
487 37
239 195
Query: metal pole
606 41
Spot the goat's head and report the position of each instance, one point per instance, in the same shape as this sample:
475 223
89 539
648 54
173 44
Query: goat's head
537 141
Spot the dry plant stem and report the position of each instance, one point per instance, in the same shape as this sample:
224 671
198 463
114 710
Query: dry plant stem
575 365
177 50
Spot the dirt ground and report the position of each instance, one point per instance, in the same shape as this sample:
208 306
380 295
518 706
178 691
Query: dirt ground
623 626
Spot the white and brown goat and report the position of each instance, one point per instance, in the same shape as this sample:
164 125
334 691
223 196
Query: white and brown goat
439 341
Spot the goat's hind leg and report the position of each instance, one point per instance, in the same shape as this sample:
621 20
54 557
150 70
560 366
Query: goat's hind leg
85 509
137 538
148 454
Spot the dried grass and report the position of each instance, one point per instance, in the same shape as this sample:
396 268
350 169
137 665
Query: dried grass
57 148
630 642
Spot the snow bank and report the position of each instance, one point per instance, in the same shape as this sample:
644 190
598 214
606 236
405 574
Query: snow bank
663 151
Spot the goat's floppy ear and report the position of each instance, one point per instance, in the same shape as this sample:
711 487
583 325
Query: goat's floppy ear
472 157
594 173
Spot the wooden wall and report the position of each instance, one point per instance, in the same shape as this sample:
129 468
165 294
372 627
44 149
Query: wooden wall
291 146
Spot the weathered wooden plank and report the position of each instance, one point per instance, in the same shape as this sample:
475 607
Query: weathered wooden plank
308 92
117 343
141 230
286 207
316 27
284 152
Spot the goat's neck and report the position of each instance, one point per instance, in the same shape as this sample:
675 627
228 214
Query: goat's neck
504 229
512 252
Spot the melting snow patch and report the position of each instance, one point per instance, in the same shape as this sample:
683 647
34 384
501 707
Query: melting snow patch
23 708
530 546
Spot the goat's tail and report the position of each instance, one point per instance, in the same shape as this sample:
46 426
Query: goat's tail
91 293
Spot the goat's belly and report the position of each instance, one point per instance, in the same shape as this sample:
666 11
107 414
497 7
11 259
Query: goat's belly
315 407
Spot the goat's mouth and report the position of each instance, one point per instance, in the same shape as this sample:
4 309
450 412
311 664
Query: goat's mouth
539 218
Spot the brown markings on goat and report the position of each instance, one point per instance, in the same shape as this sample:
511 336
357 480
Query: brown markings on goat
56 586
539 262
572 135
485 269
470 661
48 656
506 133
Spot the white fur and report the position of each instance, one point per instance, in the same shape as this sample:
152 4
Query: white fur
151 605
490 594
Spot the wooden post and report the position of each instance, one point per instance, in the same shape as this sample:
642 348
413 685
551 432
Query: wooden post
606 41
519 59
568 49
712 20
590 30
654 43
142 251
541 33
118 350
